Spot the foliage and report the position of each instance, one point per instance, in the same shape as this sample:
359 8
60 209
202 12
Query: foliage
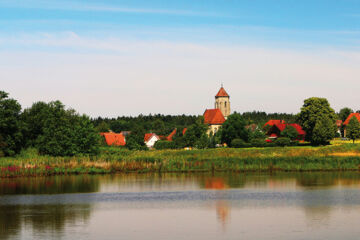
323 132
257 134
164 145
318 120
196 136
344 113
283 141
10 125
257 142
260 118
353 129
102 127
239 143
234 128
135 141
290 132
60 132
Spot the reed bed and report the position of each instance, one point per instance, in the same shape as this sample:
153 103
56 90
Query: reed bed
344 157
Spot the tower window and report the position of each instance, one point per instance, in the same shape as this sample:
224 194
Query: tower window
225 103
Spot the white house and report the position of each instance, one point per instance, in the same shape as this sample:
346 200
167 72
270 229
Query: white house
150 139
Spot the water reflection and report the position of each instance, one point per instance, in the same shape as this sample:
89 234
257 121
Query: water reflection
55 206
41 218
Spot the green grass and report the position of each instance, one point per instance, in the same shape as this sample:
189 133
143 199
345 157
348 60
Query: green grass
343 157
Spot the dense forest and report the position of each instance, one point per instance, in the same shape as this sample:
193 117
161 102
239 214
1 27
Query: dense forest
164 124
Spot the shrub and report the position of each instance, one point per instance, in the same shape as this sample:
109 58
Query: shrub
282 142
164 145
239 143
257 142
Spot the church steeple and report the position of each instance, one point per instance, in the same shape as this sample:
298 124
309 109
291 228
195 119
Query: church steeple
222 102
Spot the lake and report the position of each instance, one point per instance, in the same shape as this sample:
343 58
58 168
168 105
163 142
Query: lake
182 206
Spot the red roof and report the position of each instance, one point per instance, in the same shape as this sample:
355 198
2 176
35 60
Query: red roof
222 93
357 115
338 123
169 138
298 128
273 122
148 136
184 131
213 117
116 139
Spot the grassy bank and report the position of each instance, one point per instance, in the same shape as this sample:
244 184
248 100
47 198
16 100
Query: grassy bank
343 157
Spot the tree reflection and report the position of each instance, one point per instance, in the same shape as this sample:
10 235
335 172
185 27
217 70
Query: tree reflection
50 185
40 218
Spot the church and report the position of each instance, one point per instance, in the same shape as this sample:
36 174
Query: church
214 118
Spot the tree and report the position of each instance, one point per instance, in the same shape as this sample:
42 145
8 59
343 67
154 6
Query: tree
62 132
323 132
34 119
135 141
196 136
344 113
102 127
290 132
353 129
317 111
234 128
10 125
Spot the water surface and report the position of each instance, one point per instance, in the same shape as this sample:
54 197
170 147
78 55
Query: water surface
182 206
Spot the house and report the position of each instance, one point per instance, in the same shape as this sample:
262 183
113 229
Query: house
356 115
338 125
273 122
276 129
214 119
171 135
150 139
114 139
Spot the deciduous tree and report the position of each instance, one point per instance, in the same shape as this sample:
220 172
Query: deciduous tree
353 129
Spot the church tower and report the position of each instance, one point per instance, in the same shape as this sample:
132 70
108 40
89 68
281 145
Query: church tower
222 102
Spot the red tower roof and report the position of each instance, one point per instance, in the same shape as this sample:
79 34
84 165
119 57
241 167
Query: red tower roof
222 93
214 117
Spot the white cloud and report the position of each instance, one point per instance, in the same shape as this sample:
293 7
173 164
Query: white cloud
112 77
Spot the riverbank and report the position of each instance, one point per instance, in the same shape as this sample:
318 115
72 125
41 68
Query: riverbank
341 157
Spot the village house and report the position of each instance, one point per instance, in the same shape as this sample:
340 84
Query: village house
150 139
214 118
278 126
356 115
114 139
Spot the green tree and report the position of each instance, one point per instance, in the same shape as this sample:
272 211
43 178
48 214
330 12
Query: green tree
234 128
135 141
353 129
257 134
344 113
196 135
103 127
65 133
317 111
323 131
10 125
290 132
34 119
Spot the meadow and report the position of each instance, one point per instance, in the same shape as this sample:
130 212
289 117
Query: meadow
335 157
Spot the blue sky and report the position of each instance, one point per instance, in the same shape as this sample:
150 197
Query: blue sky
270 55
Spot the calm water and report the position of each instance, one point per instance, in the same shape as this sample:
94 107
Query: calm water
182 206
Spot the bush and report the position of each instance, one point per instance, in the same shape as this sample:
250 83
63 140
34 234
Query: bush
164 145
239 143
282 142
257 142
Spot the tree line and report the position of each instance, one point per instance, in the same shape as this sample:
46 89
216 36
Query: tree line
55 130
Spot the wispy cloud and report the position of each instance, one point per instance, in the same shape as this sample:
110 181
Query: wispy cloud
77 6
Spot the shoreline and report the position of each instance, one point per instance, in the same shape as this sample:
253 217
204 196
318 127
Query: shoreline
345 157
